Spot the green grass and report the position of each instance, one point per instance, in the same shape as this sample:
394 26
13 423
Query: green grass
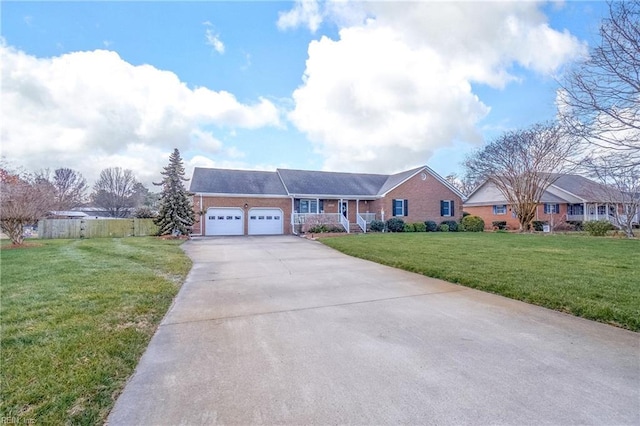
595 278
76 317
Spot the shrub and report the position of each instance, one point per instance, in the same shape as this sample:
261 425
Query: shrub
538 225
444 228
499 224
144 213
431 226
395 224
472 224
563 227
452 224
577 225
420 227
408 227
320 229
376 226
598 228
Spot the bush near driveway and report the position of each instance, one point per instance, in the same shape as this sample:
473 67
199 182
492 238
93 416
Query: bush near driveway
595 278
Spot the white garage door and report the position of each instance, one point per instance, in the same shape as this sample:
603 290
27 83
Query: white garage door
265 222
225 221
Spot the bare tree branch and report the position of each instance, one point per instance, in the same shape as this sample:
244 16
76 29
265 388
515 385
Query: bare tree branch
116 190
599 99
23 200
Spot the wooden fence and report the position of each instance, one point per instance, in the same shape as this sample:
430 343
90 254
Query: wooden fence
95 228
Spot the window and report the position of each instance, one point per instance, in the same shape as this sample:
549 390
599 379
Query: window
602 210
400 207
446 208
551 208
575 209
500 209
308 206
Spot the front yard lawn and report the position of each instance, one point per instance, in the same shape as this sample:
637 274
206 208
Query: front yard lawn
76 317
595 278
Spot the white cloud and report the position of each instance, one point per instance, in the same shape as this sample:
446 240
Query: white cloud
93 110
305 12
397 84
214 41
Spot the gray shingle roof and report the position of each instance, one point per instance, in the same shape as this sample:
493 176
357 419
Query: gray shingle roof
224 181
395 180
582 187
307 182
297 182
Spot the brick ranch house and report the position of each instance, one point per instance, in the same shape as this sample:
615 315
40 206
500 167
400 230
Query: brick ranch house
245 202
571 198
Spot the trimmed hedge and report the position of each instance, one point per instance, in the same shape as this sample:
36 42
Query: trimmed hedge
395 225
472 224
430 226
376 226
499 224
452 224
598 228
420 227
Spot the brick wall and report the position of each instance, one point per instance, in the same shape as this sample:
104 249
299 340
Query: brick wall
424 200
486 213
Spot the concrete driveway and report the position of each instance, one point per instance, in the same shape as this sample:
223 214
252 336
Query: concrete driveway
282 330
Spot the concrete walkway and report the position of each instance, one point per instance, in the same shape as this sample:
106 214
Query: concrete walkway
282 330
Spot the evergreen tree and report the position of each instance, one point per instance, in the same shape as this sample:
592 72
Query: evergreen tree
176 214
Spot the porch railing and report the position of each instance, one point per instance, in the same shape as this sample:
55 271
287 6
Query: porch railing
362 223
316 218
582 217
344 222
368 217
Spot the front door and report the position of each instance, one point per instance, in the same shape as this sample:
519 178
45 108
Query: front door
344 209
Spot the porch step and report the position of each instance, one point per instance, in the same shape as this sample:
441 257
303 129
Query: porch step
354 228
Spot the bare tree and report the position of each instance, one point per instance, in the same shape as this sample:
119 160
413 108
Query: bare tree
464 184
621 188
68 186
523 164
23 200
116 191
599 99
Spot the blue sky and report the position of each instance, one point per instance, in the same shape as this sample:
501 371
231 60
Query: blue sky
374 87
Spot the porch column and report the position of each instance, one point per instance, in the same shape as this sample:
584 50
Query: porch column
357 209
584 211
596 211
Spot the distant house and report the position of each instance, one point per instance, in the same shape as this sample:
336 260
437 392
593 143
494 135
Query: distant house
571 198
69 214
101 212
244 202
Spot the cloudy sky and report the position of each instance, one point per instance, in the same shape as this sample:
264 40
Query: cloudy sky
374 87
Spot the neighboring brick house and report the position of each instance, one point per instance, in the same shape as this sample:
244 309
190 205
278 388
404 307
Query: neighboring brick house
244 202
571 198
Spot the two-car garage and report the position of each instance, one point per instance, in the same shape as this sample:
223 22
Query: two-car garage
231 221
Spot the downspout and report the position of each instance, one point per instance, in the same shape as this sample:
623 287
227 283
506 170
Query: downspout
293 226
